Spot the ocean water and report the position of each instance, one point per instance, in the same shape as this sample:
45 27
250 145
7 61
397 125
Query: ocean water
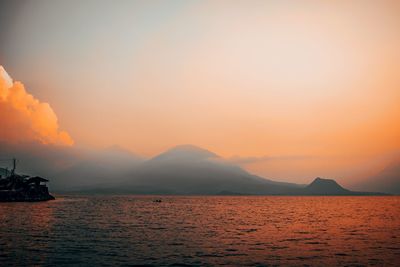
180 231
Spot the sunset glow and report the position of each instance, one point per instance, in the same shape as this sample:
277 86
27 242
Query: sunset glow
200 133
304 89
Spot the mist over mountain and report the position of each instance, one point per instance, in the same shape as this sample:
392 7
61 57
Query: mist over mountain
188 169
71 168
184 169
387 180
105 167
30 132
39 159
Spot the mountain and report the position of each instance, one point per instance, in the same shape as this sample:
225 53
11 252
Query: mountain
71 168
104 167
185 153
189 169
322 186
184 169
38 159
387 180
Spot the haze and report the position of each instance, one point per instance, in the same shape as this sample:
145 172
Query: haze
287 89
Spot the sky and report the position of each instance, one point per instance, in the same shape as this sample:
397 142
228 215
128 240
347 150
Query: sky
288 89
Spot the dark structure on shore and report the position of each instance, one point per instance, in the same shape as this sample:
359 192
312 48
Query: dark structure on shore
14 187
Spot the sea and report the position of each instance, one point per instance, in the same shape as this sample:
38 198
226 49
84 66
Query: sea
201 231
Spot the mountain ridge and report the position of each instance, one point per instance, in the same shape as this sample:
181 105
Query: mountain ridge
184 169
190 170
387 180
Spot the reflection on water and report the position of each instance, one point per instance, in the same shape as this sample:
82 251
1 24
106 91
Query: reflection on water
124 230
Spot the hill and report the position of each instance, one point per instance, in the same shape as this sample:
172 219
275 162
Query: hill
322 186
387 180
192 170
183 169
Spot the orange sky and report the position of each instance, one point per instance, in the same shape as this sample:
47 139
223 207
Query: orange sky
295 89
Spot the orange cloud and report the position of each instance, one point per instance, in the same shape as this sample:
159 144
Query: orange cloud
25 118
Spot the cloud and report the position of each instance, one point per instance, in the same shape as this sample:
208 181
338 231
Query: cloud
25 118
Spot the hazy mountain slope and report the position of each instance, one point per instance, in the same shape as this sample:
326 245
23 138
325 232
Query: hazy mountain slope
181 170
192 170
387 181
70 168
38 159
105 167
